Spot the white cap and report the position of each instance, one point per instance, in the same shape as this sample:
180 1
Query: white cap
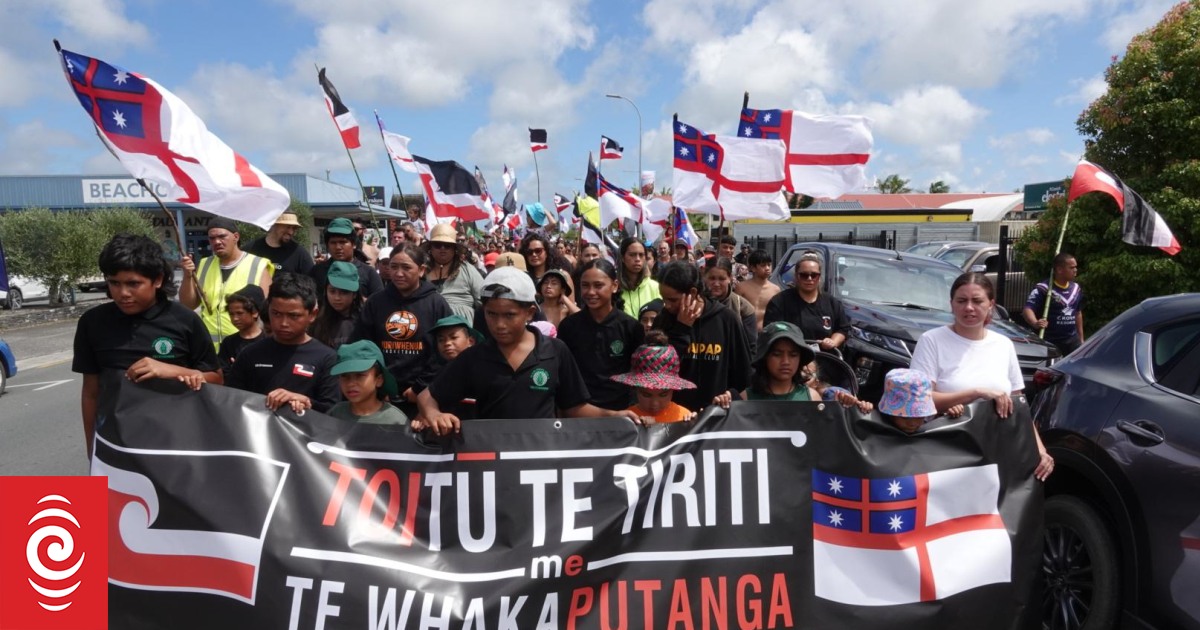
509 283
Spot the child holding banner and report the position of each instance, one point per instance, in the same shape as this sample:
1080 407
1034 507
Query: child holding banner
366 384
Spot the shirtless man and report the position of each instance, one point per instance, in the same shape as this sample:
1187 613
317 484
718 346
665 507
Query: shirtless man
758 290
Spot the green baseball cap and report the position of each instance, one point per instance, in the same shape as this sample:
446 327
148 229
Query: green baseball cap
340 226
343 275
359 357
451 322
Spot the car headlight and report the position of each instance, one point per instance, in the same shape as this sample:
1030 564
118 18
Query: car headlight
879 339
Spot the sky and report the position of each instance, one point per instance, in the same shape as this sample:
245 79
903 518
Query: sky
982 96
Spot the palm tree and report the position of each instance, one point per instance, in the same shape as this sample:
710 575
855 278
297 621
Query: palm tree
893 185
939 187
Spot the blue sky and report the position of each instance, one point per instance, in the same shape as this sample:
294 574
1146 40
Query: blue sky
982 96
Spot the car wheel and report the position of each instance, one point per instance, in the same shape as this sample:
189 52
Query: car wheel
3 380
1079 566
15 299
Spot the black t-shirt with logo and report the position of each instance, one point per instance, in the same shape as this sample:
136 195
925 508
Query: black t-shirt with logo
267 365
817 320
603 349
106 338
547 380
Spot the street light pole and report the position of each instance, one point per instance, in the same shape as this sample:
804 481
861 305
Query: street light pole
639 117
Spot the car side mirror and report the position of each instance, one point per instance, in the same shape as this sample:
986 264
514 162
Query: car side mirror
978 268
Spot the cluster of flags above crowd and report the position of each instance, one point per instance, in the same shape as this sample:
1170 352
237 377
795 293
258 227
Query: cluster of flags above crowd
157 137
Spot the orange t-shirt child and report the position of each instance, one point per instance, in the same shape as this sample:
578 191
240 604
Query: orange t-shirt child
654 377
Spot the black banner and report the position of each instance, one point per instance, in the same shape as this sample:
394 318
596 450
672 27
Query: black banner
778 515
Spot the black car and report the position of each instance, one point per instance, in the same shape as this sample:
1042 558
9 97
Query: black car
890 299
1121 415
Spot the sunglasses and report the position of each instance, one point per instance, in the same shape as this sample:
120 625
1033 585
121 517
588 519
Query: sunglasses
540 250
808 275
440 245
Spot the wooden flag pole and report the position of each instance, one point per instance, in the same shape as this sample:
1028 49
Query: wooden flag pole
537 172
1062 231
361 190
391 163
178 238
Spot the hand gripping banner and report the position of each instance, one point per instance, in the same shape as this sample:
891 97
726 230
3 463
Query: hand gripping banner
778 515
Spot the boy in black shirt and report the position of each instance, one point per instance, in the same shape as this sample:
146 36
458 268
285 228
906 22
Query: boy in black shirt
141 332
289 367
517 373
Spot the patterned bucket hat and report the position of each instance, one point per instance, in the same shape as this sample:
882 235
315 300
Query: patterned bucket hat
654 367
907 394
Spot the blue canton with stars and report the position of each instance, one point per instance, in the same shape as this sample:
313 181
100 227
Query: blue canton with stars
115 114
878 508
695 151
760 123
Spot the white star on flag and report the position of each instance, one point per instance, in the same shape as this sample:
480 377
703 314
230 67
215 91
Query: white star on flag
120 77
835 485
749 132
835 518
120 120
895 523
683 128
712 157
683 151
894 488
767 117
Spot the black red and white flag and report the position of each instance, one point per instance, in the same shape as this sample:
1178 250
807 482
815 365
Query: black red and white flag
452 190
1141 225
537 140
342 116
609 149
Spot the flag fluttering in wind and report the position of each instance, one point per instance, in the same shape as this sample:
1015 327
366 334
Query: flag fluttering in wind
342 116
609 149
1141 224
451 189
735 178
397 147
158 138
563 207
537 140
617 203
826 156
647 183
590 187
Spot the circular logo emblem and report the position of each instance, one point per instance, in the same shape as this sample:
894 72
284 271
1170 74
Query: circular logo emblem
540 377
163 346
401 325
617 347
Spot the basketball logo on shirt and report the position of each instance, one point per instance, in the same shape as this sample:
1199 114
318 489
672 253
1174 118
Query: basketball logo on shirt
162 348
826 322
401 325
617 347
539 377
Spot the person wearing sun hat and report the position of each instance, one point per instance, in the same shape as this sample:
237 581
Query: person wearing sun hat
458 282
907 402
654 377
366 384
779 361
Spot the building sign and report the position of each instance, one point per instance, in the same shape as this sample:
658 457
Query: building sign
1038 196
374 195
121 191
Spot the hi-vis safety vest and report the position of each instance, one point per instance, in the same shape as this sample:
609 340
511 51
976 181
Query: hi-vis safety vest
247 271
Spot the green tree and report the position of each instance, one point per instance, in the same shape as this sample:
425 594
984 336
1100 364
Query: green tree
1146 130
59 249
939 187
893 184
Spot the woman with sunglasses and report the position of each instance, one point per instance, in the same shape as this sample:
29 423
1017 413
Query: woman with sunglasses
460 284
820 316
540 256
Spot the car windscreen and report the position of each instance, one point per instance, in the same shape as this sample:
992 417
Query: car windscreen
924 249
869 279
957 257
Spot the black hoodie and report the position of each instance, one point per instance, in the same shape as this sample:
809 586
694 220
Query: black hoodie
713 354
400 326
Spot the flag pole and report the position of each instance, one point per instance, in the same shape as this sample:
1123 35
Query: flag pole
178 239
1050 284
391 162
538 173
361 190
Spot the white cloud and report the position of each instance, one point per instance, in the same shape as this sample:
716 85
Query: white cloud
1123 26
31 148
675 22
99 21
1086 91
1037 136
933 120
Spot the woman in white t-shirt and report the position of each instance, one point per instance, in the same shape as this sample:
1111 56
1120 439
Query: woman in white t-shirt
968 362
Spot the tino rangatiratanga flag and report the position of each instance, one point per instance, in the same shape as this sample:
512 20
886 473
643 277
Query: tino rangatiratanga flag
1141 224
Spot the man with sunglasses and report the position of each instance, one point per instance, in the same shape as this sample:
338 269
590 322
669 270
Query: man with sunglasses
820 316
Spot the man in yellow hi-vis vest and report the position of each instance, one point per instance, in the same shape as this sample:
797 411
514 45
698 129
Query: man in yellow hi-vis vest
228 270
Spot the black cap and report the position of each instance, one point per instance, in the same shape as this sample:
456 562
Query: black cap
224 224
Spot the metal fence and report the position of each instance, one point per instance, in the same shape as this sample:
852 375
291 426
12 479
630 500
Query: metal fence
1012 283
776 245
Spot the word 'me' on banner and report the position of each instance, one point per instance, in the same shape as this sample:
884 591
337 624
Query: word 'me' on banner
778 515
